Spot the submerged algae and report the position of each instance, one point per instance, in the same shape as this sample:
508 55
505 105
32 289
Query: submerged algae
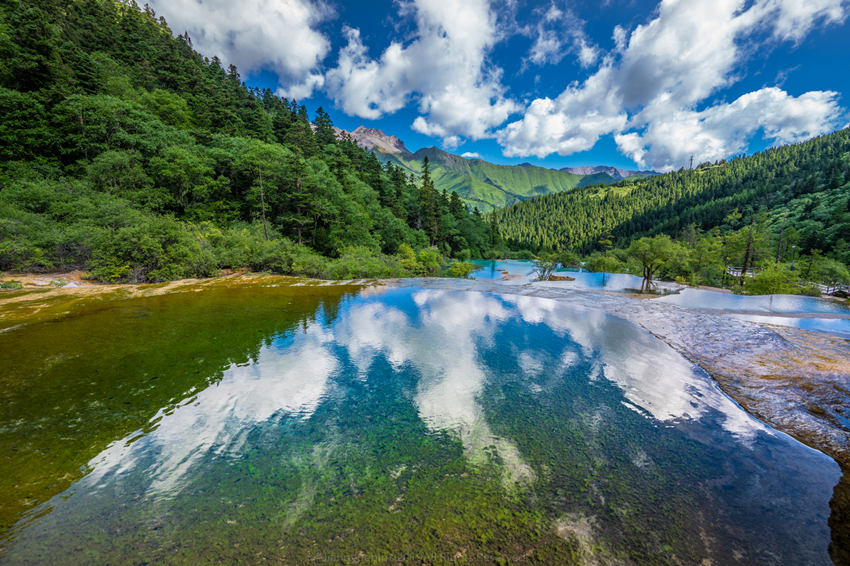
92 368
400 450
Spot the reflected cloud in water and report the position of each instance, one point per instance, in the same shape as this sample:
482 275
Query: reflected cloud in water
441 342
290 378
651 374
440 334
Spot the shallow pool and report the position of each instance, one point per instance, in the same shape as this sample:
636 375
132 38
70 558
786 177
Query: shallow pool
703 299
586 281
385 425
836 326
493 269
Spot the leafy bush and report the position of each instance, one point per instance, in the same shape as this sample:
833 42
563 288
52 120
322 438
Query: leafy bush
604 263
774 278
430 261
12 284
459 269
307 263
359 262
155 248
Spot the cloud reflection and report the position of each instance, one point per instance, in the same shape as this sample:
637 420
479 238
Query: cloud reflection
441 342
651 374
281 381
441 339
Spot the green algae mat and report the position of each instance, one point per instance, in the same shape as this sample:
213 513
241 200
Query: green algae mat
344 424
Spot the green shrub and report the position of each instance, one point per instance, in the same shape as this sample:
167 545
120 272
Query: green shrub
604 263
459 269
430 260
153 248
357 262
774 279
308 263
12 284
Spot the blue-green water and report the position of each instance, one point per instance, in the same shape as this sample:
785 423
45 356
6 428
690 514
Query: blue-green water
405 425
492 269
786 304
583 280
836 326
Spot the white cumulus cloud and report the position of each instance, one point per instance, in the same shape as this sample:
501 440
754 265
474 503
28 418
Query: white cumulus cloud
648 91
558 33
724 129
279 35
444 69
797 17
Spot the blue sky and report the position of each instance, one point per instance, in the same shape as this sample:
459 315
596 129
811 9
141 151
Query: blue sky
629 83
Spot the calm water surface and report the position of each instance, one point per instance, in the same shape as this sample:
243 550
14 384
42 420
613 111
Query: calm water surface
496 269
702 299
836 326
337 424
597 281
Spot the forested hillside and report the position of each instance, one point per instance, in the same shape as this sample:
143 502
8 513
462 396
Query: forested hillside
802 190
125 152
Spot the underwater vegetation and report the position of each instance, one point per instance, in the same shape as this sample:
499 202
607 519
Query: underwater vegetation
365 424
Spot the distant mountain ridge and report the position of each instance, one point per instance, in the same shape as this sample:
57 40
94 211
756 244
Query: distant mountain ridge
372 139
614 172
478 182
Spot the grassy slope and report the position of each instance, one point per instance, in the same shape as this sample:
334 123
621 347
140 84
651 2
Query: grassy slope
487 185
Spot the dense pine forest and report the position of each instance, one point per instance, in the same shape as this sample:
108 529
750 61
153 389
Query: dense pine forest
126 153
764 212
802 185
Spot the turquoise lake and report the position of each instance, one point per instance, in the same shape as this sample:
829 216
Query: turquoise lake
390 425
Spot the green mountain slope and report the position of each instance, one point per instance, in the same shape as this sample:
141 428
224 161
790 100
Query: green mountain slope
804 186
486 185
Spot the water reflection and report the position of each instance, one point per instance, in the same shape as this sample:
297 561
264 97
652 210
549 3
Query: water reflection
523 270
702 299
493 269
452 419
289 377
651 374
105 367
836 326
441 341
597 281
441 338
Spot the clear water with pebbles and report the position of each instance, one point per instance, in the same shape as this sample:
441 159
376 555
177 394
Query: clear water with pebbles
342 424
